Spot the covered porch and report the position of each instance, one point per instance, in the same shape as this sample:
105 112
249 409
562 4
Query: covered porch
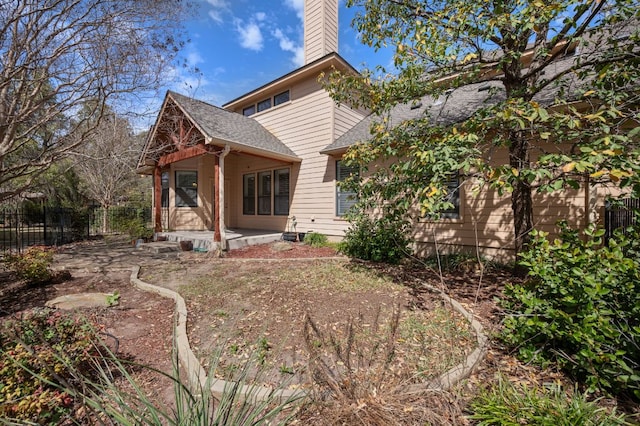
235 238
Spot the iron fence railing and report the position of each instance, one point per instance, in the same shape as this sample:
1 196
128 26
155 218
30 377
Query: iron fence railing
620 216
31 225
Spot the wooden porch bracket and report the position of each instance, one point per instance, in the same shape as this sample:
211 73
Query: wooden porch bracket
186 153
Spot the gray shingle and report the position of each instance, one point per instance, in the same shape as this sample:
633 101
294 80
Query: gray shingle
232 127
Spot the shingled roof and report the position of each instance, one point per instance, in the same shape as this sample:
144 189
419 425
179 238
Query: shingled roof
225 127
455 106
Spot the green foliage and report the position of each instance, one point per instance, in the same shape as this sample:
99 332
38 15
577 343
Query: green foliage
378 240
35 353
137 228
580 308
33 265
506 404
448 53
315 239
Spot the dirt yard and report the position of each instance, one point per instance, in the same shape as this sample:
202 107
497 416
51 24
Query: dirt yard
273 304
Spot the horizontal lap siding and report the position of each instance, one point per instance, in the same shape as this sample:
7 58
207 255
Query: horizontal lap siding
306 126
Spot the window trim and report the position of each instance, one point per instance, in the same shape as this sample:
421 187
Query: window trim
246 197
262 196
179 202
277 196
271 101
338 211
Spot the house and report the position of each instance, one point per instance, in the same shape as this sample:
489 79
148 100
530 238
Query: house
255 163
273 156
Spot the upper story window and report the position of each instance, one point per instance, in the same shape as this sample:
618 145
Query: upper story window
281 98
265 104
262 105
250 110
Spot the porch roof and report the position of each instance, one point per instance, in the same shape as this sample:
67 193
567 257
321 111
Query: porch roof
222 127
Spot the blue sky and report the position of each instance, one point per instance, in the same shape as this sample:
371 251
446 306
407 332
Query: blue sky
239 45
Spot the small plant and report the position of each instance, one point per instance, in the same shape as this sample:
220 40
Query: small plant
263 350
36 351
284 369
33 265
378 240
315 239
113 298
506 404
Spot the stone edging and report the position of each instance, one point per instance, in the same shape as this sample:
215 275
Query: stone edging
196 374
198 377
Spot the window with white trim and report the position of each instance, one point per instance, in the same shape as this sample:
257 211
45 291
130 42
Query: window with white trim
249 194
344 198
281 192
265 104
264 193
186 188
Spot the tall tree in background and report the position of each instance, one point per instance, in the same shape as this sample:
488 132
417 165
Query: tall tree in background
57 55
106 159
533 106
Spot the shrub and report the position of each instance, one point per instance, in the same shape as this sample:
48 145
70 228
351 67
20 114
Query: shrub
506 404
580 308
32 265
315 239
35 353
379 240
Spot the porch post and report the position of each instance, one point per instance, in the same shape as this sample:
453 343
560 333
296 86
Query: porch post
216 201
222 225
157 199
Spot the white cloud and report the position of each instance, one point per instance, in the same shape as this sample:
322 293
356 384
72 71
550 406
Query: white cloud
288 45
250 35
260 16
219 7
297 5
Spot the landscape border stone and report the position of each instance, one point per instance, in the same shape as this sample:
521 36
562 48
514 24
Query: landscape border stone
198 379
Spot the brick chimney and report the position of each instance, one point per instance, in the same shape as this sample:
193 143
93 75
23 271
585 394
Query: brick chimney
320 28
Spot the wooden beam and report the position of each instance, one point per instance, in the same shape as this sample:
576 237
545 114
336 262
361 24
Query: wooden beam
185 154
217 237
157 199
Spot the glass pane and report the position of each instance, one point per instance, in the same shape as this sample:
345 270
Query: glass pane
266 104
249 111
248 194
281 98
186 189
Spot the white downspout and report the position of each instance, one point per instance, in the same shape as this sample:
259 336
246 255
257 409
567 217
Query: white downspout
221 224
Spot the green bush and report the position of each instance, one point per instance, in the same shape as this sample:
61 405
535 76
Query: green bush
36 351
315 239
379 240
506 404
33 265
580 308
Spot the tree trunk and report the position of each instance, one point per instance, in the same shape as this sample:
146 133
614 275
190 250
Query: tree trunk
521 197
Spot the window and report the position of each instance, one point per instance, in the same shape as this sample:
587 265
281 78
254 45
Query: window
278 99
249 110
264 193
344 199
266 104
453 196
281 192
249 194
186 189
281 98
164 179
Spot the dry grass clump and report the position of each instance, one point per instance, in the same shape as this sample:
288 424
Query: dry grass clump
354 382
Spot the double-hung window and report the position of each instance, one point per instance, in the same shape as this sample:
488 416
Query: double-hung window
249 194
453 196
344 198
264 193
187 188
281 192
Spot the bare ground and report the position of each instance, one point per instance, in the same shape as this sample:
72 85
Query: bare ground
142 322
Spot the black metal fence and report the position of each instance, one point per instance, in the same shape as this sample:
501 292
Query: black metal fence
33 224
620 216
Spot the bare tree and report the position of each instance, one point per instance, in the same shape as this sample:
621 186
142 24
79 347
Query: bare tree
106 160
58 56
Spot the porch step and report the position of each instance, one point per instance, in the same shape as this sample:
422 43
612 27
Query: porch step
236 243
161 247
